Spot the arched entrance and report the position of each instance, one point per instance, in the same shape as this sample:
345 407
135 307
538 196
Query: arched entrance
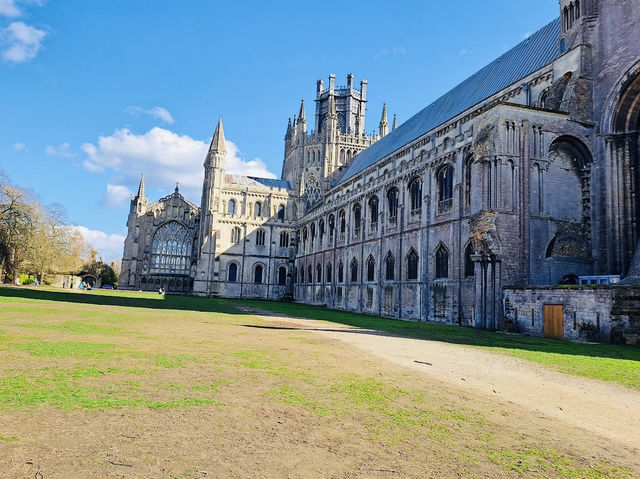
622 202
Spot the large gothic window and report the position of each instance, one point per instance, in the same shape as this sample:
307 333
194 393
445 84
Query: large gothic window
171 249
371 268
415 192
442 262
412 264
392 203
312 191
445 189
354 270
390 264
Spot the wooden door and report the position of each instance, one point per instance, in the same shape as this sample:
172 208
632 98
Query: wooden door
554 321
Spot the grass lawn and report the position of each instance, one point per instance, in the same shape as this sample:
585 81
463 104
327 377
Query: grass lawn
117 384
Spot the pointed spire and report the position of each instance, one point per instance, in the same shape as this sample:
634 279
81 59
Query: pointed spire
141 187
218 143
301 116
176 190
384 124
395 122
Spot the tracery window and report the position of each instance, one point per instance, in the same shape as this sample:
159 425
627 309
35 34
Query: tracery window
442 262
412 264
171 249
390 266
415 193
260 236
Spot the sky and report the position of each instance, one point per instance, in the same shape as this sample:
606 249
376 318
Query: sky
95 93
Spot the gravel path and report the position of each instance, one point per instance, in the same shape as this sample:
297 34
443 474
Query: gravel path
606 409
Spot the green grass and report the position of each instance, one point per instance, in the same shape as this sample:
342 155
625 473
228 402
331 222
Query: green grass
620 364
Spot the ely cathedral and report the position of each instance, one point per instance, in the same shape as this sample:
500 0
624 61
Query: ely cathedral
523 176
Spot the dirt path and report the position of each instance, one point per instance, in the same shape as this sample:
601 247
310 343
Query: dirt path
606 409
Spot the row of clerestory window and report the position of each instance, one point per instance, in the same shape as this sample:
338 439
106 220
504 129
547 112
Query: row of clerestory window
258 274
257 209
236 234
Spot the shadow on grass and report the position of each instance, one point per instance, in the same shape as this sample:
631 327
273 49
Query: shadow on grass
450 334
127 299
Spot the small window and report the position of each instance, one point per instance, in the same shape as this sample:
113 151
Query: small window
354 270
257 274
309 274
235 235
318 274
373 209
390 266
257 211
357 216
392 202
415 192
332 225
343 222
412 264
328 278
281 212
442 262
467 181
340 272
231 207
232 274
260 236
469 267
302 275
371 268
282 275
284 239
445 184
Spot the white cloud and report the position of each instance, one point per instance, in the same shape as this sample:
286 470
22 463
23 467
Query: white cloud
19 146
21 42
110 246
464 52
116 196
390 51
62 151
164 157
157 111
9 8
528 34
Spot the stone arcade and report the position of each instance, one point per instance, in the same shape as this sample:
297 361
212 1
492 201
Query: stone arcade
524 174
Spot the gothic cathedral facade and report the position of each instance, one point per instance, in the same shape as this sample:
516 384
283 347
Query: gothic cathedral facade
524 174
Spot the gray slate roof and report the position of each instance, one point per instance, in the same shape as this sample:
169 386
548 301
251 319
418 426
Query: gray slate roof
535 52
257 182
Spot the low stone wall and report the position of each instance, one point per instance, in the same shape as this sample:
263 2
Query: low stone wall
586 311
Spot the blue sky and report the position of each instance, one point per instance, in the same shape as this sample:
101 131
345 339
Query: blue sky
93 93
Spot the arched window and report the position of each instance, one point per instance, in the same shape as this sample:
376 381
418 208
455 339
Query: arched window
281 212
235 235
340 272
260 236
445 188
257 274
392 203
415 193
412 264
390 267
442 262
467 180
469 267
304 239
343 222
357 217
354 270
231 207
321 230
373 209
332 226
257 211
232 272
282 275
302 275
318 273
284 239
371 268
171 249
309 274
328 278
312 228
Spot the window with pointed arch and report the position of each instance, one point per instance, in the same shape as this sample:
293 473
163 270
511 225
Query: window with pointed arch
258 273
232 272
281 212
469 267
343 223
390 267
357 218
445 188
257 210
260 237
284 239
442 262
302 275
312 230
231 207
354 270
412 265
467 180
373 209
321 231
235 235
340 272
318 273
328 278
332 227
371 268
392 203
282 275
309 274
304 239
171 249
415 194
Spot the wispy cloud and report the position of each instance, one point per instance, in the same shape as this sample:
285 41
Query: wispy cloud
19 147
116 196
20 42
10 8
464 52
164 157
158 112
61 151
390 51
